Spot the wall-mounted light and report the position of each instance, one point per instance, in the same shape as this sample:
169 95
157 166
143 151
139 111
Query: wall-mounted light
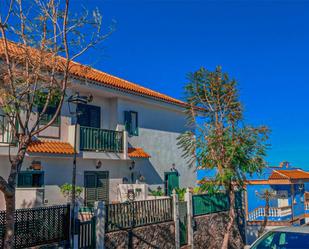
173 167
98 164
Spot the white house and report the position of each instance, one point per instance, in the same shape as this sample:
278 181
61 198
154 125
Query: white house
127 133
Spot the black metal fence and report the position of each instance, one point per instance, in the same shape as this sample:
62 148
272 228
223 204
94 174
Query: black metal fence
138 213
38 226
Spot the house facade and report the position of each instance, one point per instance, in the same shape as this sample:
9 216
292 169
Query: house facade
126 134
286 190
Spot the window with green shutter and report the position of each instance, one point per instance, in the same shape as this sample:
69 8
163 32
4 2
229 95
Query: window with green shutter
96 187
30 179
131 122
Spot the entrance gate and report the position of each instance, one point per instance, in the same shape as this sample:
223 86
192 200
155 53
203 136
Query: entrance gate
183 230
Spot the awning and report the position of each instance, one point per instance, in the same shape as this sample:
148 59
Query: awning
54 147
137 153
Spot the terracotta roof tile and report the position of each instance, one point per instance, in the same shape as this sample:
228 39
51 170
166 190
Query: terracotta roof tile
79 70
53 147
289 174
137 152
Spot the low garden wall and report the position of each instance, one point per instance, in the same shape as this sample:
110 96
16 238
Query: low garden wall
209 230
160 235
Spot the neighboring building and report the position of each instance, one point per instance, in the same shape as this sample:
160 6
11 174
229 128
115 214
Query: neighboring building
288 202
127 133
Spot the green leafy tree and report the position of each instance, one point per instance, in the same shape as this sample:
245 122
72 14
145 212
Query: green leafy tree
220 139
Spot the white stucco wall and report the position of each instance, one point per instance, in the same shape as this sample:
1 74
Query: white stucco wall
159 128
58 171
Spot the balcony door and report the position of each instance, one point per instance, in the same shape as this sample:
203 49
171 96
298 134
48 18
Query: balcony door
89 116
96 187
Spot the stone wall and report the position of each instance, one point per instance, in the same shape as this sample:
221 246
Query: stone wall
209 230
159 236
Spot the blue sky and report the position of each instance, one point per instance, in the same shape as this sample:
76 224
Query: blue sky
262 44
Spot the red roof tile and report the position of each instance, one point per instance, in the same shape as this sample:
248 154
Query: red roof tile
294 174
82 71
137 152
54 147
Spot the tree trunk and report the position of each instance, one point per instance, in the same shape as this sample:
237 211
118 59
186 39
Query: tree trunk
10 194
10 221
263 226
225 243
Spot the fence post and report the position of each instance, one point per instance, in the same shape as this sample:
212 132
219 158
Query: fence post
76 235
188 199
99 212
176 219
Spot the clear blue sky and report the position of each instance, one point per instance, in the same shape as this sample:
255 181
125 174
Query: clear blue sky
262 44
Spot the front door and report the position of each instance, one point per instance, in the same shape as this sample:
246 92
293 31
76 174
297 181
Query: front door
171 181
96 187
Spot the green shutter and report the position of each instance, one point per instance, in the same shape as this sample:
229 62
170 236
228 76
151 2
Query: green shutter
90 189
89 115
134 128
127 121
96 187
102 186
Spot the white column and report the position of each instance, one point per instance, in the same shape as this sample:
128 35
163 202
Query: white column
99 212
71 135
176 219
188 199
125 145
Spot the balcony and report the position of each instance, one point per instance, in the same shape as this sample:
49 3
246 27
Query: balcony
101 140
276 213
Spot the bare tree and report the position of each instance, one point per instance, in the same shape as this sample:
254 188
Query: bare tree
39 41
221 141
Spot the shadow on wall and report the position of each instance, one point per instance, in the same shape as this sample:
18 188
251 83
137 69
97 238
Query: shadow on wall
145 168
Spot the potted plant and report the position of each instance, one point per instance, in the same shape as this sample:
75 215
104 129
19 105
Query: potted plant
36 165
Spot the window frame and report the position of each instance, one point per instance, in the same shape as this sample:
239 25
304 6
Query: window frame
30 173
47 116
132 131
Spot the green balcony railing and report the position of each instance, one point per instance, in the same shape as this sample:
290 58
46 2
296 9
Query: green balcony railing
94 139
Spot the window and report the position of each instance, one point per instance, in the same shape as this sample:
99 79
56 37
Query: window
48 115
283 240
30 179
89 115
131 122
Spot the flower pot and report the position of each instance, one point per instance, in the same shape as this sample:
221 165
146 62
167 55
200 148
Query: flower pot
36 166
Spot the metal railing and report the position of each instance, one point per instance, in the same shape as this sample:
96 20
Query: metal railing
94 139
138 213
38 226
306 205
273 212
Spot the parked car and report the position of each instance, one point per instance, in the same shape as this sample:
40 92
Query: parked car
283 238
